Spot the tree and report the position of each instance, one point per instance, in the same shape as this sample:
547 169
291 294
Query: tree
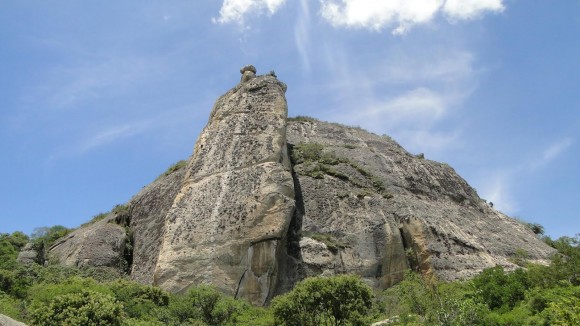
338 300
84 308
499 289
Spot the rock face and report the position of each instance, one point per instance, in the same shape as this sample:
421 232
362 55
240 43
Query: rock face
7 321
266 201
385 210
101 244
227 223
147 216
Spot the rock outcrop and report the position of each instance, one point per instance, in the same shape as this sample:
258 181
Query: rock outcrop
380 210
7 321
101 244
266 201
227 223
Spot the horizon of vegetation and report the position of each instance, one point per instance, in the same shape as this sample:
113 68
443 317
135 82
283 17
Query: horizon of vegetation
58 295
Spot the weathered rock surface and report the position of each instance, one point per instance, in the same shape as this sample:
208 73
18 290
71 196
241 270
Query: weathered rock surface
243 216
147 216
387 210
228 221
97 245
29 255
7 321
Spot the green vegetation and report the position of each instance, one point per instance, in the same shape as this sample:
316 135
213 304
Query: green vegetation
95 219
317 162
44 237
57 295
339 300
175 167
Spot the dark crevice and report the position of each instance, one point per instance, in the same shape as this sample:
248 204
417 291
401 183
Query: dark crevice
123 218
410 254
291 268
295 228
239 284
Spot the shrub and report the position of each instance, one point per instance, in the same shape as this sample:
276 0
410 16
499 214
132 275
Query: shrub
140 301
41 295
173 168
498 289
204 305
9 306
44 237
83 308
317 301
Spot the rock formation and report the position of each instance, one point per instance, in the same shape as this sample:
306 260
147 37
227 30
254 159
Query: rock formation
228 221
266 201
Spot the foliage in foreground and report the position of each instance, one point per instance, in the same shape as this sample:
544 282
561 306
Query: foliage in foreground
339 300
57 295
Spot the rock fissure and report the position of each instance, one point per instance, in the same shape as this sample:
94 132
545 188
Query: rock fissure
239 283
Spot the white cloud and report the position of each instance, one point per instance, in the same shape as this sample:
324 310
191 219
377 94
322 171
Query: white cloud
469 9
235 10
401 14
375 15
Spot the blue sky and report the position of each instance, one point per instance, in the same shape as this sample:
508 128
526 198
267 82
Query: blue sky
99 97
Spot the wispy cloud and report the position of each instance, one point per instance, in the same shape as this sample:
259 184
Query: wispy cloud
403 96
498 189
113 134
550 154
236 10
96 78
302 35
498 186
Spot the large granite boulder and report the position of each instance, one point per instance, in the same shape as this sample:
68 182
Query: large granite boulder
101 244
228 222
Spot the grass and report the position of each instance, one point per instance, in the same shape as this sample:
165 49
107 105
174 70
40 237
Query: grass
95 219
173 168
